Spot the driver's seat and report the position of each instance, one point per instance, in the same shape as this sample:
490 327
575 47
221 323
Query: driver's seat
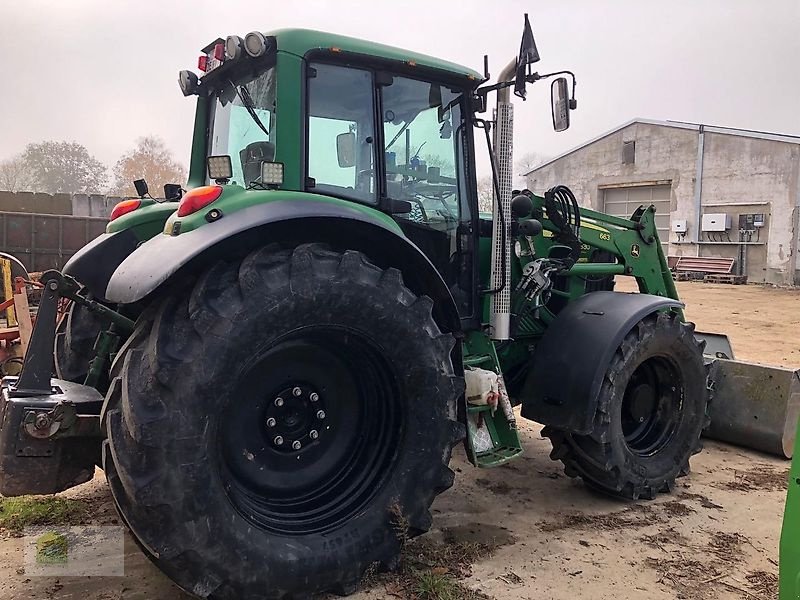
252 156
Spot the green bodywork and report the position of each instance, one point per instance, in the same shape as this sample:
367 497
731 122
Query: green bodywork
631 246
146 221
790 535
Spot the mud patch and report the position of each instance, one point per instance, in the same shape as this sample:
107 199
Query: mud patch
665 537
636 515
727 546
714 568
490 536
433 566
702 500
757 478
501 488
674 508
763 583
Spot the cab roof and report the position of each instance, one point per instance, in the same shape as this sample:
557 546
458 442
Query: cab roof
302 41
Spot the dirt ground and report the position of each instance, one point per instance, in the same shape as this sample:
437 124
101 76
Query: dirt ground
715 537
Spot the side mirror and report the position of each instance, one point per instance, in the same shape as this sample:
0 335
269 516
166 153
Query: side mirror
560 103
346 149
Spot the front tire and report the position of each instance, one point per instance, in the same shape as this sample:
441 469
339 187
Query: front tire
284 426
651 411
76 334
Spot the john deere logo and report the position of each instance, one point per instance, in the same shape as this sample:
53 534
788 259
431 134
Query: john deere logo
51 549
635 250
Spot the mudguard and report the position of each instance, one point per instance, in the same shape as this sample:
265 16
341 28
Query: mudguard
572 357
790 535
292 221
94 264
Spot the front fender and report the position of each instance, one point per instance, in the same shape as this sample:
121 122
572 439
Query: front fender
288 221
572 357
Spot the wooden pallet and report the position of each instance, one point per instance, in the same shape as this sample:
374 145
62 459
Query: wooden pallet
687 276
706 264
726 278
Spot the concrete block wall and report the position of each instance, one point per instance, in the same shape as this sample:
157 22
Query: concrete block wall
79 205
31 202
93 205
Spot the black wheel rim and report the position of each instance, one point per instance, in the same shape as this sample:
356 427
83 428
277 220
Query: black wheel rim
652 406
311 432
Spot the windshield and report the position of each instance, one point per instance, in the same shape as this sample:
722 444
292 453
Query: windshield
242 125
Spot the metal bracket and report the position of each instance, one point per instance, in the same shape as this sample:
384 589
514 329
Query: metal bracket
61 421
34 380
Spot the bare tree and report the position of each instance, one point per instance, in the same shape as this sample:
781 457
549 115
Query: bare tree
485 193
528 161
16 176
67 167
150 160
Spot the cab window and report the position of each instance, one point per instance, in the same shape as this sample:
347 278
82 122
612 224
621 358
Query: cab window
341 132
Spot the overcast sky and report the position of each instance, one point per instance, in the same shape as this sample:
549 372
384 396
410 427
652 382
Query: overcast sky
103 72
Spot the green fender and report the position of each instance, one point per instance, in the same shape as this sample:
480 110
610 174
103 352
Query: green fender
790 535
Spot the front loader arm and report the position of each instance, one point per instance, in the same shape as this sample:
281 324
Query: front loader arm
632 248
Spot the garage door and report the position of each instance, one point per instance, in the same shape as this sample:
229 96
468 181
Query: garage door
622 202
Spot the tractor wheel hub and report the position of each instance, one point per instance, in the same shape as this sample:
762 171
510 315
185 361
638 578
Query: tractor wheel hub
294 418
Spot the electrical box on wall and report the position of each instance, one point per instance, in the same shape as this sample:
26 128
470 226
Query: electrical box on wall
751 221
716 222
679 225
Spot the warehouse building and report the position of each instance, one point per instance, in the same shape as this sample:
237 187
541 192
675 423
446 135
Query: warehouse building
718 191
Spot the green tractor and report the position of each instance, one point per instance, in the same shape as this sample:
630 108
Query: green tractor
280 364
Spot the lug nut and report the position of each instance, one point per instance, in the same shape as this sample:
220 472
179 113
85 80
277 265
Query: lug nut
279 401
314 396
278 440
297 391
297 445
270 422
320 414
313 434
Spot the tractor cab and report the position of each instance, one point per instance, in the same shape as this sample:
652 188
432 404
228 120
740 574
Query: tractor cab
375 127
380 131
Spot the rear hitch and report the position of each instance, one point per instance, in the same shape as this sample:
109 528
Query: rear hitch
51 442
50 428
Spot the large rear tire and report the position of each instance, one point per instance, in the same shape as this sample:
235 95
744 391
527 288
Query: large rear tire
651 411
283 426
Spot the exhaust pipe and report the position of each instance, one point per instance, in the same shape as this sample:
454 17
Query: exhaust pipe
500 318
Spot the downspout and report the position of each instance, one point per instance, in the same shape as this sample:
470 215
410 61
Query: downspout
500 319
698 187
795 277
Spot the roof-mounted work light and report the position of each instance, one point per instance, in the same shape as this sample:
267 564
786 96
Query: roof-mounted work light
271 173
188 83
255 44
219 167
233 47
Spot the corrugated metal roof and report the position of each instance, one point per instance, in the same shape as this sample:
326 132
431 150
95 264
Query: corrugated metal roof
762 135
